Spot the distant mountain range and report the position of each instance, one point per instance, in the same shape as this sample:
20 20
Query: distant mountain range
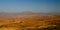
26 13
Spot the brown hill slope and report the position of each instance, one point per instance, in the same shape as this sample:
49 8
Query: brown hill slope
32 20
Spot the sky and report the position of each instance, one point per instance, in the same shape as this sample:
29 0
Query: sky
45 6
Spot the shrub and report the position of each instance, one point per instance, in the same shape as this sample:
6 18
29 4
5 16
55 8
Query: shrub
22 26
1 26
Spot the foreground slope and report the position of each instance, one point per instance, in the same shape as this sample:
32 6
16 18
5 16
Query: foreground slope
28 20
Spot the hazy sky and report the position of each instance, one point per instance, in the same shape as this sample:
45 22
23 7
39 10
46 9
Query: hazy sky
30 5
